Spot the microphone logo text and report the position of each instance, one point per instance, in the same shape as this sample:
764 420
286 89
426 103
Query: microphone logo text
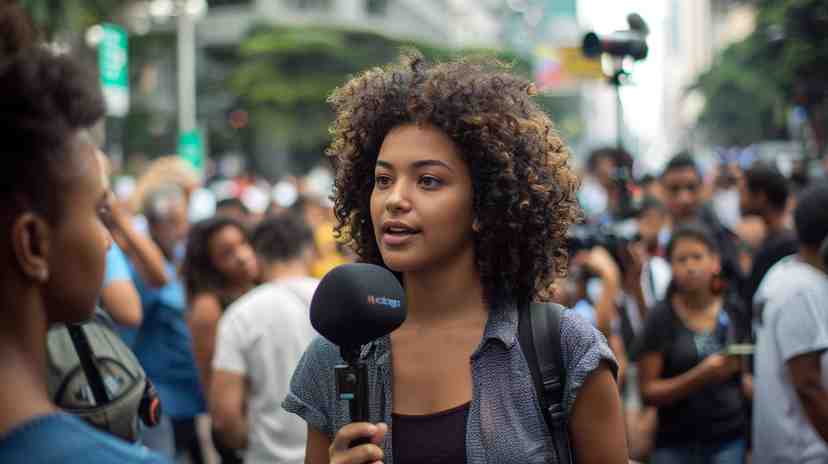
390 302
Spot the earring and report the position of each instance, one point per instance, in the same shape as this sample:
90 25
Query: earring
476 226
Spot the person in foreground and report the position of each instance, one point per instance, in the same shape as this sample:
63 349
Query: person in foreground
52 199
451 176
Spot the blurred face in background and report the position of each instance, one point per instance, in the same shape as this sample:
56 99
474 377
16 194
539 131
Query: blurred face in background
232 255
171 229
694 264
682 192
651 188
604 170
750 202
650 223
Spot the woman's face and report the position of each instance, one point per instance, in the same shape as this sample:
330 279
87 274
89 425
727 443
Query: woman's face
232 255
650 224
682 192
694 264
422 201
80 240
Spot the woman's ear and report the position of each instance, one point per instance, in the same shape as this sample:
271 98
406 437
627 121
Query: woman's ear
30 245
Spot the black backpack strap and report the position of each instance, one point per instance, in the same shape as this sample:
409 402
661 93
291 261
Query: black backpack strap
539 332
88 364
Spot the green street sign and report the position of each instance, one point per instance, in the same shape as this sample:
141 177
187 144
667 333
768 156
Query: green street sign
112 61
191 148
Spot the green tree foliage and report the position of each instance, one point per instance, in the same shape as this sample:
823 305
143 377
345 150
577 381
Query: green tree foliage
753 83
286 74
54 17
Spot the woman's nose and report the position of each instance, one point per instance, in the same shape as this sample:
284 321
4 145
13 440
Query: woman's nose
397 199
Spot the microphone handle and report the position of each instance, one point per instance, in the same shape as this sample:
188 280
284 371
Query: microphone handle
359 404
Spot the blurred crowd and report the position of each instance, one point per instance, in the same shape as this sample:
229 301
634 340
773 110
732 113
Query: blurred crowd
670 268
709 282
680 271
202 280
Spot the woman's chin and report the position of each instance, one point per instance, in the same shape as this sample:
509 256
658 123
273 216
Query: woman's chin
400 264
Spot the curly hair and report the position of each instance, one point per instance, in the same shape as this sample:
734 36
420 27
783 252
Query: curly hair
524 188
197 270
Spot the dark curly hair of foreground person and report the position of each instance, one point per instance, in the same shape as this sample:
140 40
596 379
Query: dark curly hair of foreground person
524 188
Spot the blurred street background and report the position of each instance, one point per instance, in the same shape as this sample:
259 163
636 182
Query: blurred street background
238 87
675 111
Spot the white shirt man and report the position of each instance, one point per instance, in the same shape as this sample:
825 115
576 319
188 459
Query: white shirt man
791 325
261 337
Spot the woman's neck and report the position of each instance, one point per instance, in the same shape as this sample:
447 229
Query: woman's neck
23 391
445 295
236 291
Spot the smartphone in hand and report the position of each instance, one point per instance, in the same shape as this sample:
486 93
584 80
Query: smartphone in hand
738 349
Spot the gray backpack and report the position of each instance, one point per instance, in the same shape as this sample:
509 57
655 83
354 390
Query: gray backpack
92 374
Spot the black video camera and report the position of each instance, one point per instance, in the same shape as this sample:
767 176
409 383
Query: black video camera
613 237
620 44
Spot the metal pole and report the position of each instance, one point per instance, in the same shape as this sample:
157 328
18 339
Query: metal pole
186 70
619 117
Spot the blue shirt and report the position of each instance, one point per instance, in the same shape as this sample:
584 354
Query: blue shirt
117 266
504 425
62 439
163 345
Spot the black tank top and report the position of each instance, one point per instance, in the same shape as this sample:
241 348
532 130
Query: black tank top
438 438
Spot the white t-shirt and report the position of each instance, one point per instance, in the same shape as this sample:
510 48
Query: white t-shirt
792 319
262 336
655 279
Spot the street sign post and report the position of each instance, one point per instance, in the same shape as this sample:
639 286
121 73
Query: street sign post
112 61
191 148
560 69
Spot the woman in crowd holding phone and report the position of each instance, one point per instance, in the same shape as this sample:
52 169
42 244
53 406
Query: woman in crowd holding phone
452 177
686 365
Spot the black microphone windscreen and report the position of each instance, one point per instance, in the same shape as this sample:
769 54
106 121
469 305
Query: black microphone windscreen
355 304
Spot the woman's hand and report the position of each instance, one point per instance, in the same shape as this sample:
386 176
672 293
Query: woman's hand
340 453
602 263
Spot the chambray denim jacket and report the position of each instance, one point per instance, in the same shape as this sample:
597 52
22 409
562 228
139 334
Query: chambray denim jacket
505 424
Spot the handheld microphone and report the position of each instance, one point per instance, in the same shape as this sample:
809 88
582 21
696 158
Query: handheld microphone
353 305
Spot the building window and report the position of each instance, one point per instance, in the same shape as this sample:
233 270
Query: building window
376 7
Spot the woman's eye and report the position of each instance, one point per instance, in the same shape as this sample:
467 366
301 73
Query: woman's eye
430 182
382 181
